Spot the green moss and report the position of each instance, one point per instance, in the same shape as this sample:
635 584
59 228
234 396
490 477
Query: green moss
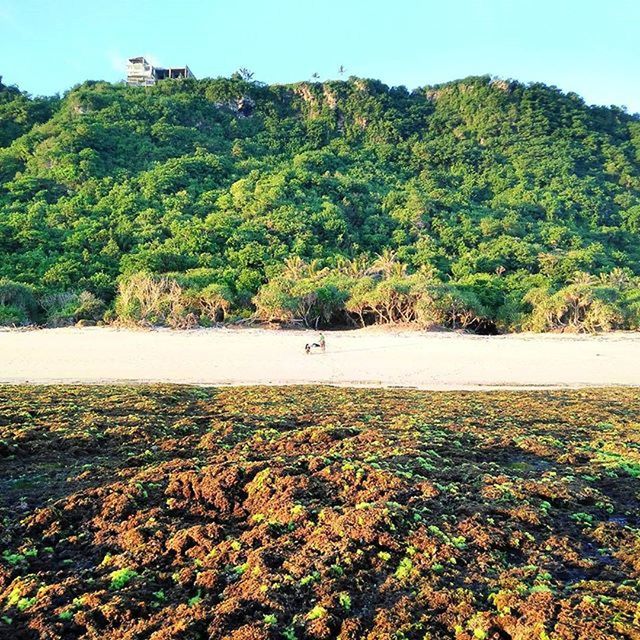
25 603
404 569
270 620
316 613
345 601
121 578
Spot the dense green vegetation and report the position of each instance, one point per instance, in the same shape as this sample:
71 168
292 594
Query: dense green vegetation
480 203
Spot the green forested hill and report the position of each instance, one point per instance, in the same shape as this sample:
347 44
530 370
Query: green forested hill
479 203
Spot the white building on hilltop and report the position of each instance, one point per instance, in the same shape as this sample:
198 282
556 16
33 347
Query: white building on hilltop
141 73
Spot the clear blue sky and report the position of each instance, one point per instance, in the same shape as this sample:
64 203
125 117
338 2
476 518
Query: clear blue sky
591 47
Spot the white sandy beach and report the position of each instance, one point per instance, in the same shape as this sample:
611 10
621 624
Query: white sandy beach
361 358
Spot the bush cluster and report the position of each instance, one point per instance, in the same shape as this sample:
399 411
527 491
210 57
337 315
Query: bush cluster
353 293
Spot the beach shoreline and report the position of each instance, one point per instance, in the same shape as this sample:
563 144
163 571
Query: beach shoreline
368 357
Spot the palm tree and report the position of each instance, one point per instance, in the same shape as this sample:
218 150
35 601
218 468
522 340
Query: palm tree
314 270
356 267
582 278
387 264
294 267
245 74
617 277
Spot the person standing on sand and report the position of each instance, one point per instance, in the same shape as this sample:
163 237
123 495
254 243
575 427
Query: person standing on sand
323 343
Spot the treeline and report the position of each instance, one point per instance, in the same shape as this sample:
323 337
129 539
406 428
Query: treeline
480 204
351 294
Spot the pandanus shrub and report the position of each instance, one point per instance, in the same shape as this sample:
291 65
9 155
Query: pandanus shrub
387 297
214 302
18 304
150 300
582 307
310 300
449 306
275 302
12 315
67 307
394 299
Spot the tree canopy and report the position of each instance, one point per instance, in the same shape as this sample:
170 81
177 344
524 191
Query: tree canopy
488 199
